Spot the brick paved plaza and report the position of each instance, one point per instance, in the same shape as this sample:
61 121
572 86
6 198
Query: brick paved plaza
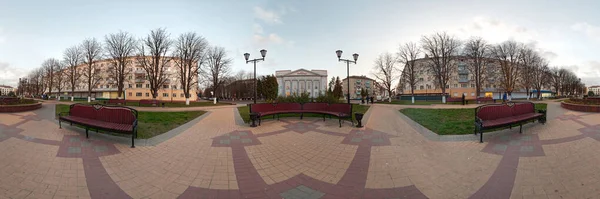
292 158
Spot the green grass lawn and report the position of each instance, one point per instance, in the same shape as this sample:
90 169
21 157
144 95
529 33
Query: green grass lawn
151 124
448 121
356 108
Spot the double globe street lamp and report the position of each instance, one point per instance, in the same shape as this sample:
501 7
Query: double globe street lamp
355 56
263 53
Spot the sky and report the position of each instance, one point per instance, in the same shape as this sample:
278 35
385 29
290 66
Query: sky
302 34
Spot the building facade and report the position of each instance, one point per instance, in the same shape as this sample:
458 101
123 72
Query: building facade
312 82
136 85
4 90
595 89
462 81
360 82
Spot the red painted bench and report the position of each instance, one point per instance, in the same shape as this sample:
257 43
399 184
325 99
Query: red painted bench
454 99
116 101
493 116
485 99
342 111
9 100
116 119
149 102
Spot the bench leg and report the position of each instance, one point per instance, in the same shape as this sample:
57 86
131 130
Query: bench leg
340 122
59 124
132 139
521 128
480 136
86 133
301 115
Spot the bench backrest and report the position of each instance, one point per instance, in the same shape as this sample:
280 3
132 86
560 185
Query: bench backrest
111 114
288 106
341 108
149 102
497 111
315 106
485 99
261 108
116 100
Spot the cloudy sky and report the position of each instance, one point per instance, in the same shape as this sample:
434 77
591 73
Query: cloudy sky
302 34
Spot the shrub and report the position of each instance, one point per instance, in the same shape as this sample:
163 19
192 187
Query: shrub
327 98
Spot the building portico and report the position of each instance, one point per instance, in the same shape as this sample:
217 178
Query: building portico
312 82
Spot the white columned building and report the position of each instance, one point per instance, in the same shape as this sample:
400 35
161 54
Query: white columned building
313 82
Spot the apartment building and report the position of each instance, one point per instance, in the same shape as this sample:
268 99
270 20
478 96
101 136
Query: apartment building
136 85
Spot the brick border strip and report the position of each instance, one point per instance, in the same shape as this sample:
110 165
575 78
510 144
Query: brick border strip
581 107
20 107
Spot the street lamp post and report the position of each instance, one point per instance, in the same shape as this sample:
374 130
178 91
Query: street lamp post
263 53
355 56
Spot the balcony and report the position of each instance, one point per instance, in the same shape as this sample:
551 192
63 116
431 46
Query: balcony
140 80
463 80
139 72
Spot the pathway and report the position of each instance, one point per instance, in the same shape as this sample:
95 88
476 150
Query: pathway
293 158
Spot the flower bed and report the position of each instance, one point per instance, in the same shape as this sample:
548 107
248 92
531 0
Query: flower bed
20 107
579 106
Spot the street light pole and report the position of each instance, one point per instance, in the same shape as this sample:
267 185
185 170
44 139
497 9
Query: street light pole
263 53
355 56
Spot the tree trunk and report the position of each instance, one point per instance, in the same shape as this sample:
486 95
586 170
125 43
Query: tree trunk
412 93
187 101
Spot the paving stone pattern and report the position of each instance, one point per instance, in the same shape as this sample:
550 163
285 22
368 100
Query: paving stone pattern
391 157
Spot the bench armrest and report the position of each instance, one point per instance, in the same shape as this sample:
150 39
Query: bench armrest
63 114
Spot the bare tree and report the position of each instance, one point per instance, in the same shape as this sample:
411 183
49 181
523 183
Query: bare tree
49 67
190 53
478 51
59 77
557 78
540 75
407 56
386 71
72 57
441 49
509 55
119 47
529 59
217 67
92 52
154 60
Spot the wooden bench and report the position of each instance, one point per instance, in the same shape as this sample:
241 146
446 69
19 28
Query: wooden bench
485 99
115 101
9 100
454 99
149 102
118 119
341 111
491 116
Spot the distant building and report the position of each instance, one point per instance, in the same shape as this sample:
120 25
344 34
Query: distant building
595 89
360 82
313 82
4 90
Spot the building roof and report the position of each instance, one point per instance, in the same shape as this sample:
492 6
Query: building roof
359 77
3 86
300 72
594 87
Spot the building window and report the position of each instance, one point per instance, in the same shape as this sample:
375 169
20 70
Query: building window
428 86
421 87
138 85
129 85
130 94
147 94
463 76
147 85
174 86
165 86
165 94
472 94
174 95
182 95
129 77
138 94
463 85
447 86
472 85
455 94
420 79
455 85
